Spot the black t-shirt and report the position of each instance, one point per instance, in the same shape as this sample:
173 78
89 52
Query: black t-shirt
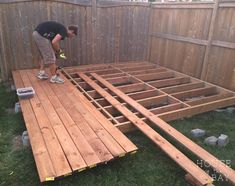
50 29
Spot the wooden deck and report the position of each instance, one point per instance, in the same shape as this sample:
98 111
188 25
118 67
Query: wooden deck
67 133
166 93
143 94
79 123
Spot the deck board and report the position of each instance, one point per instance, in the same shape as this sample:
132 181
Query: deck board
65 135
39 148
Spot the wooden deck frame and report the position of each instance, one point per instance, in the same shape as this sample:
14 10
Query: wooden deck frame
168 148
180 88
188 95
179 137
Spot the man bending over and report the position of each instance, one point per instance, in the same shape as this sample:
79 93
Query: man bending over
47 36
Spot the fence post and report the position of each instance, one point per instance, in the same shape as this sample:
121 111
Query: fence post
93 27
205 65
149 34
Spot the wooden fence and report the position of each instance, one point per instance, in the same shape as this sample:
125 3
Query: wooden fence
194 38
197 39
109 31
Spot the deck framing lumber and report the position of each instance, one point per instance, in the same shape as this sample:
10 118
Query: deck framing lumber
169 149
176 135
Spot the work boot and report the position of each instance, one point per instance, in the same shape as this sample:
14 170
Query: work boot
56 79
42 75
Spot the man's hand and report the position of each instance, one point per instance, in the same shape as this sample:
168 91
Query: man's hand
60 54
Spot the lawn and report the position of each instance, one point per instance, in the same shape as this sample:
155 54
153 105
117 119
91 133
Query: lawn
149 166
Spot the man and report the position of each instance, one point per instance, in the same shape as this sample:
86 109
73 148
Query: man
47 36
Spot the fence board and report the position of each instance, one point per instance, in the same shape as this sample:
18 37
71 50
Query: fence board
175 35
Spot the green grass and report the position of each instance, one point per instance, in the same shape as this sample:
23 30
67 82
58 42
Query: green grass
149 166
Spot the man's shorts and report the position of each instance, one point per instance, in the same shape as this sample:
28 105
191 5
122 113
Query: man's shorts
46 50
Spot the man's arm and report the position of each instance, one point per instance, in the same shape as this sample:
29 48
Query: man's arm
55 42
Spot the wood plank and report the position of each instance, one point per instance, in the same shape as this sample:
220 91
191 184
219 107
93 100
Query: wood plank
111 144
116 134
207 91
170 82
209 99
53 146
72 154
79 140
147 102
130 64
113 75
156 76
167 108
91 137
125 128
205 66
133 88
104 72
86 68
194 5
103 102
109 4
159 110
120 80
184 87
151 101
169 149
141 66
41 155
223 43
80 3
180 38
197 109
144 71
227 4
136 87
179 137
144 94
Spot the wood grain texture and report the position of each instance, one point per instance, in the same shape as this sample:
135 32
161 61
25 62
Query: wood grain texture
169 130
168 148
67 133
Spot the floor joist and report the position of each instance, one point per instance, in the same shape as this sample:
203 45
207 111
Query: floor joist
169 149
177 95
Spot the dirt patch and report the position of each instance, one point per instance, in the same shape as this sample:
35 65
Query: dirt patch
17 143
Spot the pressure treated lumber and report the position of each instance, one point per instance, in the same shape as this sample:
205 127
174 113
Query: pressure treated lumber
79 140
175 154
67 133
126 144
170 82
41 156
53 145
70 150
189 144
183 87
